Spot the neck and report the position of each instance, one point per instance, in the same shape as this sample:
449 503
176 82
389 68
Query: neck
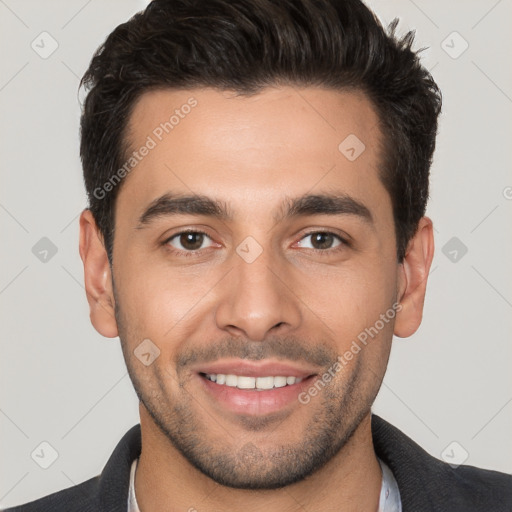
165 480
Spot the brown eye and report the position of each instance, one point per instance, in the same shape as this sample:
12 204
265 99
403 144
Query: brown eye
191 241
188 241
321 241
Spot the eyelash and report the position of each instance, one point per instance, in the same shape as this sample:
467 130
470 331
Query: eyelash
322 252
344 243
177 252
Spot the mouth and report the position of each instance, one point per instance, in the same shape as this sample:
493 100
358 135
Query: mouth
251 389
247 382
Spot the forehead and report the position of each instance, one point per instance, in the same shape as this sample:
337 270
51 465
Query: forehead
251 151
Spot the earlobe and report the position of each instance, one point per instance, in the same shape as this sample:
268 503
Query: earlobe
97 276
412 285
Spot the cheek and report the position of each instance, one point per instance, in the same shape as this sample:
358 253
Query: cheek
350 303
348 299
157 301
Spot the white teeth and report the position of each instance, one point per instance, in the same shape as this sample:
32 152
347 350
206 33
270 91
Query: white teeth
246 382
231 380
265 382
279 382
258 383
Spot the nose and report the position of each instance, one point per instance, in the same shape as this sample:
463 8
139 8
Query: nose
258 300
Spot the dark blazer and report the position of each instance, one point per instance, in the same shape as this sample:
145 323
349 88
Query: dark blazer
426 484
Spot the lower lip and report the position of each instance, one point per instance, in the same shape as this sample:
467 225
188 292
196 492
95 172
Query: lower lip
253 402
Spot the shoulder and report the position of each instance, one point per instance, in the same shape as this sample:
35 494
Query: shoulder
477 487
429 484
78 498
107 492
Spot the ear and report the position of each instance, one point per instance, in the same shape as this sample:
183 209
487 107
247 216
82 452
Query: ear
412 280
98 278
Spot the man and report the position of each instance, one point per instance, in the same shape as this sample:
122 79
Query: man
257 172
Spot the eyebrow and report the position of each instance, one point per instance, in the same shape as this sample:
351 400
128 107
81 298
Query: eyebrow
323 204
193 204
309 204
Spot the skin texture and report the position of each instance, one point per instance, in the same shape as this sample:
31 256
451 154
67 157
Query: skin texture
298 301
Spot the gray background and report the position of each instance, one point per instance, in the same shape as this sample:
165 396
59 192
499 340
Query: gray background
62 383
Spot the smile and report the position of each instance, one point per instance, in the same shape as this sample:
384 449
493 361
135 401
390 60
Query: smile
248 382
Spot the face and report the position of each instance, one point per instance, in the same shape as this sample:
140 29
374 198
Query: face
251 253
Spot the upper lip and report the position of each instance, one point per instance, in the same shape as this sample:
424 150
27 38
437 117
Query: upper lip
256 369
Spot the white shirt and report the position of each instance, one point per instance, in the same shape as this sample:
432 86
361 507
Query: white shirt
132 500
389 494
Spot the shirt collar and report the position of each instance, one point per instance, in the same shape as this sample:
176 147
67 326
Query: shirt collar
389 494
132 500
